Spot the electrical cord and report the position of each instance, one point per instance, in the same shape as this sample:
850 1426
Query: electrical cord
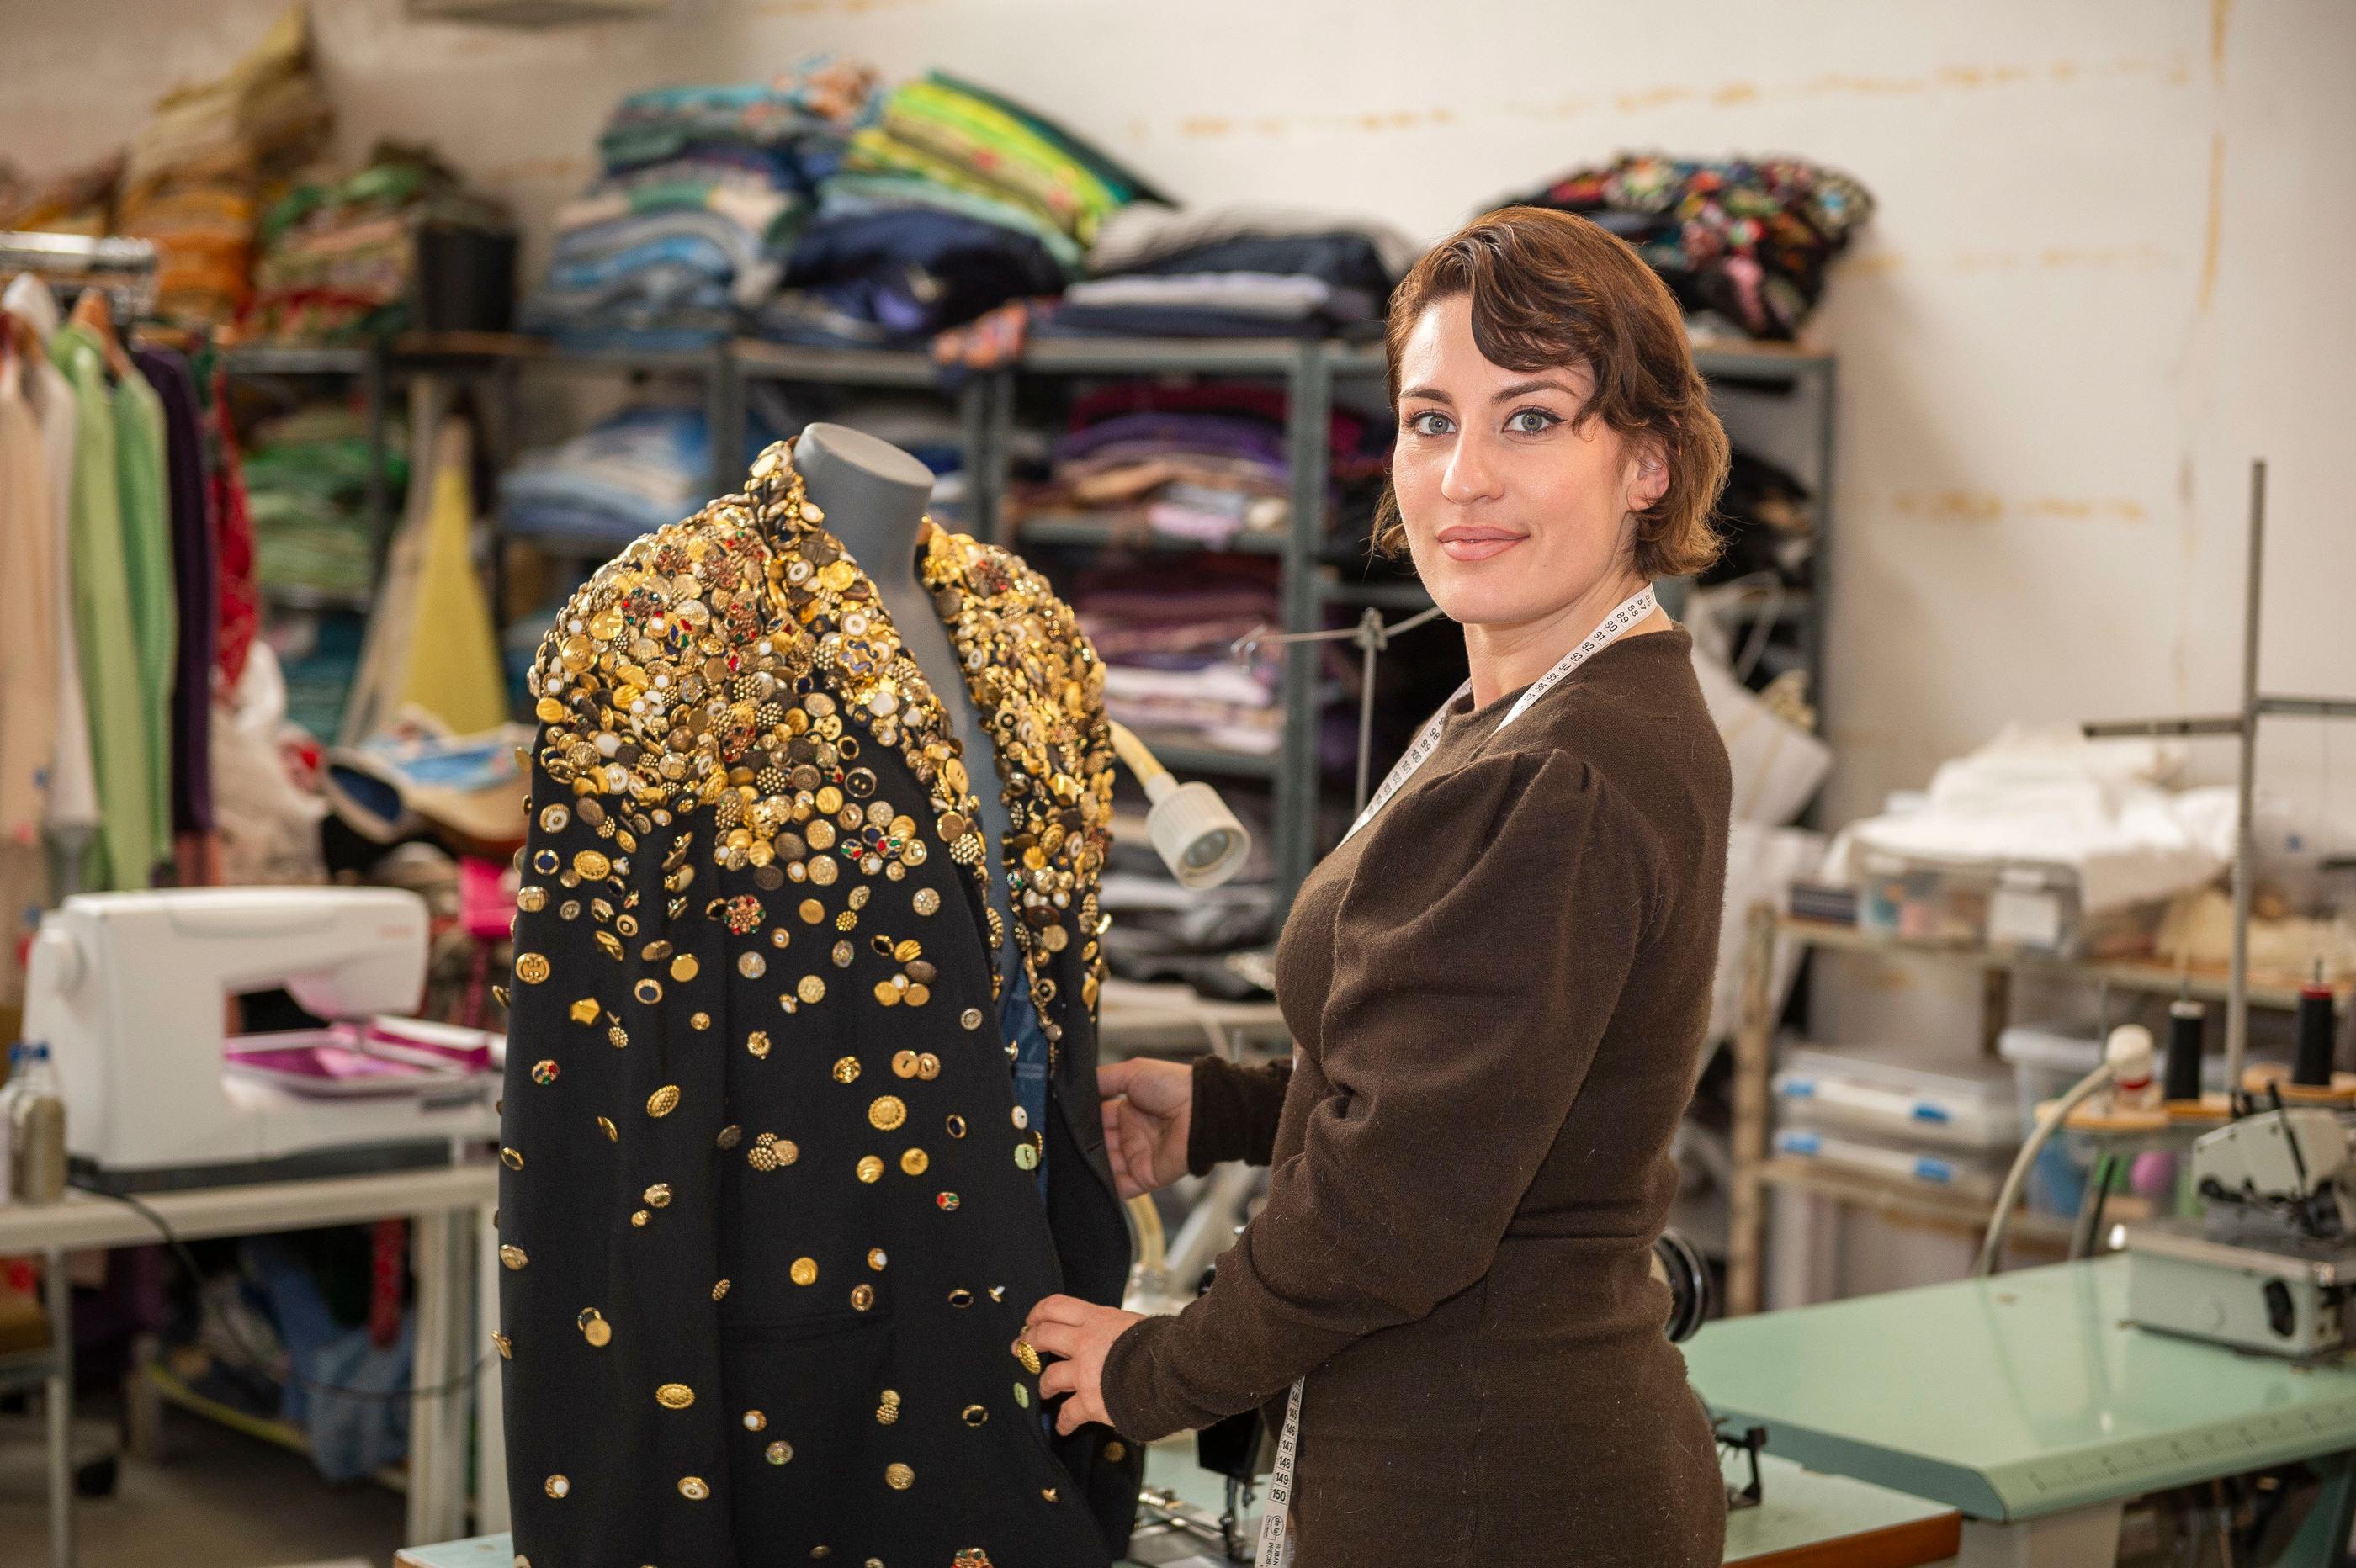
2001 1220
257 1361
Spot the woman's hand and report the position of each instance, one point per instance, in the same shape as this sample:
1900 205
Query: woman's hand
1147 1107
1080 1332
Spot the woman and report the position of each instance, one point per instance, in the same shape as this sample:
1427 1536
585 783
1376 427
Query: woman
1498 984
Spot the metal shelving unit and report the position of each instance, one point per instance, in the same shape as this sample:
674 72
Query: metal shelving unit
1312 565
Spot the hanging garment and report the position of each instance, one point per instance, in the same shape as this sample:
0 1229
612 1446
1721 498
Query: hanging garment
28 727
429 642
124 853
769 1214
147 571
73 791
196 597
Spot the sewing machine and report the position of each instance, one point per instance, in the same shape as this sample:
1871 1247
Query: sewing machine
135 994
2271 1263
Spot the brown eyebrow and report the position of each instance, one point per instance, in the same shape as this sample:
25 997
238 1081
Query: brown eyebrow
1518 390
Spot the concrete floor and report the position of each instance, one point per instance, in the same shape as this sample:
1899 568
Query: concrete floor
221 1500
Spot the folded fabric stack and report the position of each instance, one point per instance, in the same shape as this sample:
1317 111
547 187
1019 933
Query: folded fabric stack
955 201
643 468
79 201
1743 240
1234 273
306 489
703 191
199 171
1165 636
338 258
1204 462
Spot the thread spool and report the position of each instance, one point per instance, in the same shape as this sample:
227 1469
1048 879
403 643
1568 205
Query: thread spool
2185 1021
2312 1065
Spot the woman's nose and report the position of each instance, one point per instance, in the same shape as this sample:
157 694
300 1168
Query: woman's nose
1470 475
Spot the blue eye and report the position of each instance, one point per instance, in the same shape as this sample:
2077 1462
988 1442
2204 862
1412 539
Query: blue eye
1540 422
1431 421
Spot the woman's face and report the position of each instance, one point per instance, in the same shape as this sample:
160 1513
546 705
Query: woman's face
1513 511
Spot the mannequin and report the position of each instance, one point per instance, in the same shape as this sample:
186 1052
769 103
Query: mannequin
873 496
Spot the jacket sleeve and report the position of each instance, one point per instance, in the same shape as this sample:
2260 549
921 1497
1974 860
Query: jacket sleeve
616 1423
1467 1004
1234 1112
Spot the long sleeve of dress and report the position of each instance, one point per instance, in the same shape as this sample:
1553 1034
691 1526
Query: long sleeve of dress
1466 1006
1234 1112
609 1203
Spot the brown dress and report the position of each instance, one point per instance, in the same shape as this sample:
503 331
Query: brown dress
1499 989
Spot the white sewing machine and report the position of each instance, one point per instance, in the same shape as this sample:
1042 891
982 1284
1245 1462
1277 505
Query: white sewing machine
132 992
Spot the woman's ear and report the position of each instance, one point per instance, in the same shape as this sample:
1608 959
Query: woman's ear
1648 479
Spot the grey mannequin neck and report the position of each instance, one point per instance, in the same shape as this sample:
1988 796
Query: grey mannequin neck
873 496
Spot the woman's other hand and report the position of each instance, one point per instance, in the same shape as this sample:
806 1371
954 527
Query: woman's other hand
1147 1107
1079 1332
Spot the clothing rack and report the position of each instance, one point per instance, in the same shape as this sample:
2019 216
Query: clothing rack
69 263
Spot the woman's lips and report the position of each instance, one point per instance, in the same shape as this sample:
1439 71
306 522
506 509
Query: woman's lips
1478 547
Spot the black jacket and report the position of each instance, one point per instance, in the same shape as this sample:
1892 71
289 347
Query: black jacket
768 1218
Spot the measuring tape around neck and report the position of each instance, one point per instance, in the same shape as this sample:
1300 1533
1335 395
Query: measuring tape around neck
1276 1539
1626 613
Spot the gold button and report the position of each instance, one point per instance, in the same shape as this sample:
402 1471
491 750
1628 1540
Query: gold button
846 1069
904 1063
606 1126
899 1478
970 1018
929 1066
812 911
649 990
758 1042
754 1421
674 1396
974 1415
513 1256
663 1100
805 1271
1027 1355
871 1169
531 969
960 1296
863 1297
875 1259
719 1290
1114 1452
506 1345
683 968
912 1162
810 988
657 1196
638 1218
956 1125
594 1328
692 1488
556 1486
584 1011
1048 1493
591 865
777 1453
886 1112
512 1158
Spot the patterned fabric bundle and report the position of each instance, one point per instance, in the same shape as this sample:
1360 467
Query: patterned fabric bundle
338 258
1743 239
703 189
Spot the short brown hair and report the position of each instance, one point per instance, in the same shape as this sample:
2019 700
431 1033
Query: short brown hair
1548 290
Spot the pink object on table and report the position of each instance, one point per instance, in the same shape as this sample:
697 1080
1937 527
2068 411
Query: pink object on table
486 901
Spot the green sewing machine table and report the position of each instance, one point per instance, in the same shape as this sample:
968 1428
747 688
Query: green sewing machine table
2029 1404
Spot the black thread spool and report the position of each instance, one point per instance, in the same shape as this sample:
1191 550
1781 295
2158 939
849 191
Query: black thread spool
2186 1020
2313 1063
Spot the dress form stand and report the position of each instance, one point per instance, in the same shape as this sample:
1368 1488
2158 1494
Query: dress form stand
873 496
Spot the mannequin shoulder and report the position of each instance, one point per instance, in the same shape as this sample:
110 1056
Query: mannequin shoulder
638 681
987 586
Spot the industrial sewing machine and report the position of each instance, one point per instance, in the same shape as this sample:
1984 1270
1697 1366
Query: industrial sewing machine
135 994
2271 1263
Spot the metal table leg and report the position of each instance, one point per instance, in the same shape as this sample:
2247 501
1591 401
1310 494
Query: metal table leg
57 1401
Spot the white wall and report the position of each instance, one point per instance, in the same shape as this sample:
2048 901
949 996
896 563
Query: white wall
2110 265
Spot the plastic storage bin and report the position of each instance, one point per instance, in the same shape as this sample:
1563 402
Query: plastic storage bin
1969 1106
2020 907
1966 1174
